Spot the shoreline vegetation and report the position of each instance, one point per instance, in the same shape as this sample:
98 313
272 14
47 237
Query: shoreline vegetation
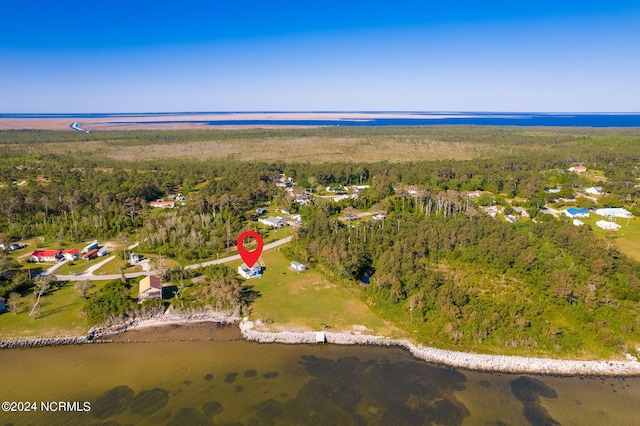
454 359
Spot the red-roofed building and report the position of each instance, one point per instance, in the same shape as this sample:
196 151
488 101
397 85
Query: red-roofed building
578 169
72 254
91 254
46 256
163 204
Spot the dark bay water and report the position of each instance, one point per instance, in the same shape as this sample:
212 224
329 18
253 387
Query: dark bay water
199 374
581 120
417 119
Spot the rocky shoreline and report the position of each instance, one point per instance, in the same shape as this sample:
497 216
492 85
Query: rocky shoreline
468 361
42 341
98 334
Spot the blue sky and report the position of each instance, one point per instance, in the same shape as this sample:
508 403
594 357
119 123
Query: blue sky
135 56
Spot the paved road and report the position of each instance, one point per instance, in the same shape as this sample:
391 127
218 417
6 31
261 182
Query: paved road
554 212
51 270
89 276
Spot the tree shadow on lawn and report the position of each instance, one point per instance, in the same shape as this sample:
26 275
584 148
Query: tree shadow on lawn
169 292
47 312
248 294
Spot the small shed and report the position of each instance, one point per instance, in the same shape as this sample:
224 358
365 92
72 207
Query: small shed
91 254
297 266
93 245
321 338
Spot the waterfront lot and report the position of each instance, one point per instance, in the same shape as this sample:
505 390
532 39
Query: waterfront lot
307 301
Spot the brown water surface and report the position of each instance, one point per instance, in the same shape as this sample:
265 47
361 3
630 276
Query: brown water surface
204 374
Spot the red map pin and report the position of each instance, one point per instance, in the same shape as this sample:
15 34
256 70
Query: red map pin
250 257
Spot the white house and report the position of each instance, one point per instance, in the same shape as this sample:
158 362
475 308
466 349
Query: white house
578 222
608 226
510 218
272 221
594 190
578 169
254 272
159 204
492 211
298 267
72 254
522 211
614 212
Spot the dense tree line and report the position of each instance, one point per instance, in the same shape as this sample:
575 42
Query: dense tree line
481 279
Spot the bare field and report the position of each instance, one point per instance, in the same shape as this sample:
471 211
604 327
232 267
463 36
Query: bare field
305 149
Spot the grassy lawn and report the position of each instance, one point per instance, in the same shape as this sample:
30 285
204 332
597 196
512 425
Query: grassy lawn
113 267
595 175
277 234
308 301
61 316
77 266
626 238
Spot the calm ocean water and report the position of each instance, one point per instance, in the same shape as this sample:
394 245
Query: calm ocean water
418 119
202 375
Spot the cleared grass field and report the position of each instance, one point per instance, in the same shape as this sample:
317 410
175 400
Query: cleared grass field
627 238
307 301
61 315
